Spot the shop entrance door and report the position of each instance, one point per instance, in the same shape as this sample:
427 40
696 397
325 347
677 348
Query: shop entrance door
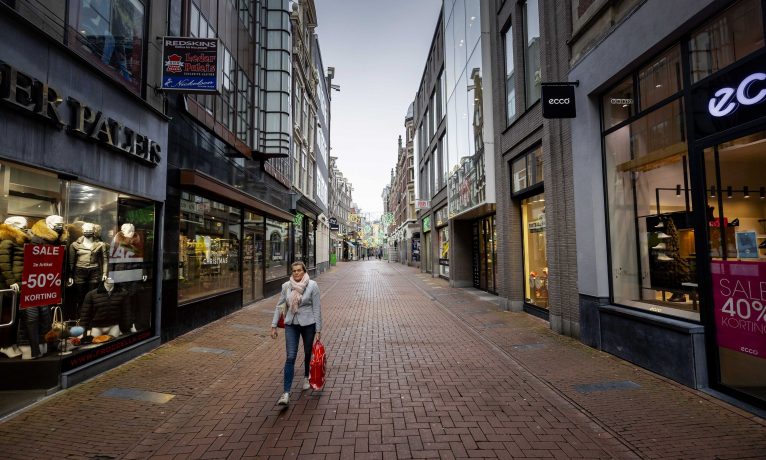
736 227
252 258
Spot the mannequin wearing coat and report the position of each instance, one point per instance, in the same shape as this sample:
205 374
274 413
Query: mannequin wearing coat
13 235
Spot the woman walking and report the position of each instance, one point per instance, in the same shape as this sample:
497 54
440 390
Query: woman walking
303 318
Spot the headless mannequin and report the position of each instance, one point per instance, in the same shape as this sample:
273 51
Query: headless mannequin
113 330
37 320
12 248
88 261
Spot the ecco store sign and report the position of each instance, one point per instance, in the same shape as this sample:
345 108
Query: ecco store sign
558 100
750 91
730 98
36 98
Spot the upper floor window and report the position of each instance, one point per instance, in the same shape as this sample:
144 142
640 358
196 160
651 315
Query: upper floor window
533 75
510 77
527 170
728 37
111 33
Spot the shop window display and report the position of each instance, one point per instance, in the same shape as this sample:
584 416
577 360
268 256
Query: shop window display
277 239
93 303
736 210
444 251
208 248
535 256
650 213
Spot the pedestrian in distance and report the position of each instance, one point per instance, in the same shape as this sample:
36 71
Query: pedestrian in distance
300 302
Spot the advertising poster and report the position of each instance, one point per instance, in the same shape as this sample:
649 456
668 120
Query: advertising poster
190 64
739 299
41 278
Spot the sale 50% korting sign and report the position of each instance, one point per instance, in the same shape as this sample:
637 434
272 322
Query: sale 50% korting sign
41 277
739 297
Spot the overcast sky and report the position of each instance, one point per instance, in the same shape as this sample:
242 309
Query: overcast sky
379 50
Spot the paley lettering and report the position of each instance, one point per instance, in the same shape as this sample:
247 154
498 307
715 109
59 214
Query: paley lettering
37 98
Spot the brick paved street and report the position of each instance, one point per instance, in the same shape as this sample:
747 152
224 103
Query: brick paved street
416 370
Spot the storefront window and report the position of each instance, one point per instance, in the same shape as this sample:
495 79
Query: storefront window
728 37
209 245
661 78
649 205
618 103
444 251
299 240
277 239
252 257
535 257
737 241
105 281
111 33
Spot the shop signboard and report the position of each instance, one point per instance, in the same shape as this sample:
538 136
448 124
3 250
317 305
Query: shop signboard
731 98
422 204
190 64
558 100
739 298
333 222
41 277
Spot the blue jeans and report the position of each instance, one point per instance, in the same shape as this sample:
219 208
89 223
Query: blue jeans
293 333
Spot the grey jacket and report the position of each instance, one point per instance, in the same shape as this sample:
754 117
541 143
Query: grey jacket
309 311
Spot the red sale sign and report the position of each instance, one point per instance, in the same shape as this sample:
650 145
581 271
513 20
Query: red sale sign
739 298
41 278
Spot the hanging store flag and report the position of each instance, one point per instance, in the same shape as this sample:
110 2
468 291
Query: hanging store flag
190 64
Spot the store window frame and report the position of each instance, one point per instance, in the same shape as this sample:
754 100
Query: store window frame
695 175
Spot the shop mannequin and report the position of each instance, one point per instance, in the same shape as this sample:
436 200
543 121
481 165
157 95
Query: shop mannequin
106 310
127 255
12 238
88 262
36 321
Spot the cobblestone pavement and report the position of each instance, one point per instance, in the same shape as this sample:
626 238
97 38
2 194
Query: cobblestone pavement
416 370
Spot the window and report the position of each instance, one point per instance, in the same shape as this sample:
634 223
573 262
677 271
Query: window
245 109
660 79
208 247
444 159
649 206
225 102
730 36
527 170
618 103
510 78
277 237
200 27
111 33
438 100
535 254
533 76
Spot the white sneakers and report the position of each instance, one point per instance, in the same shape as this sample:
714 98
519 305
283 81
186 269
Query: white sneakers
659 246
664 258
662 235
285 398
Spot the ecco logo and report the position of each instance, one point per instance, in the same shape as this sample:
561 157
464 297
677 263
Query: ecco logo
563 101
723 102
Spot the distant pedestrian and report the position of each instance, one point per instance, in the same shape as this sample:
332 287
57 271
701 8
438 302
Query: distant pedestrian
303 318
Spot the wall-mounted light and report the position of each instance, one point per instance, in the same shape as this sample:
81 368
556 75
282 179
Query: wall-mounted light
729 192
678 189
746 191
712 191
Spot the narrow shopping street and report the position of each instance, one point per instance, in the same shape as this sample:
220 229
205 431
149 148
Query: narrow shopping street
416 370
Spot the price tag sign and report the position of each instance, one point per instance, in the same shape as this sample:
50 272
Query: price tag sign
739 297
41 278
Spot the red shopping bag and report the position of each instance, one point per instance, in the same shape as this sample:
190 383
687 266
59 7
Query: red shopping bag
317 366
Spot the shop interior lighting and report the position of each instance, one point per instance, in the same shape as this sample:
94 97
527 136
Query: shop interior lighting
729 191
712 191
763 192
746 191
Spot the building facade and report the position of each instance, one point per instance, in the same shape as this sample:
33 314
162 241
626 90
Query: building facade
536 256
83 166
668 161
322 155
340 208
430 126
404 242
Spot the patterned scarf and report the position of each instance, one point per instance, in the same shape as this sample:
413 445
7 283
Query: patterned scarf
298 288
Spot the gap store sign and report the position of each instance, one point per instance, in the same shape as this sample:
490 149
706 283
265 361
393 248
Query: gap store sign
730 98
